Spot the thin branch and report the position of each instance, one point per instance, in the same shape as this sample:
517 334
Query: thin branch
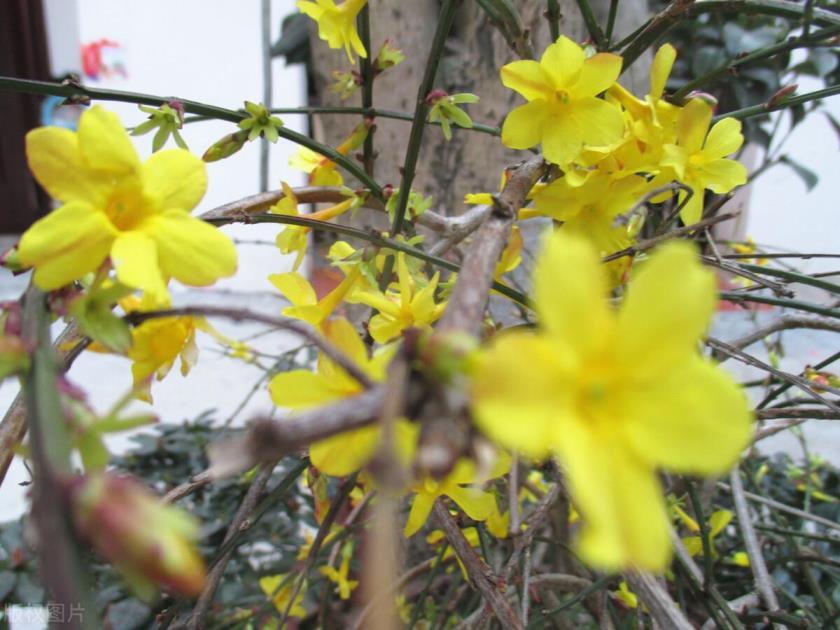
239 522
479 573
783 507
179 492
281 323
804 413
661 608
786 323
70 90
763 584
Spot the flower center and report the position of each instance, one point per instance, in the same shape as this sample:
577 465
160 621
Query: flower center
126 207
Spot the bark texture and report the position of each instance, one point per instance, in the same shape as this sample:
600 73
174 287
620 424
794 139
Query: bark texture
472 161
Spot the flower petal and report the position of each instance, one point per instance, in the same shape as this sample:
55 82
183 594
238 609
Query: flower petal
663 61
477 504
523 127
135 258
624 519
570 292
528 78
299 389
668 306
597 74
723 175
190 250
295 288
599 123
56 161
562 139
343 334
518 393
66 244
563 60
345 453
692 125
104 142
175 178
421 507
693 418
724 139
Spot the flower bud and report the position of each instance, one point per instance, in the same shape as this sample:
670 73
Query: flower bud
150 542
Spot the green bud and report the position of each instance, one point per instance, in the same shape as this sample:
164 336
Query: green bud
226 146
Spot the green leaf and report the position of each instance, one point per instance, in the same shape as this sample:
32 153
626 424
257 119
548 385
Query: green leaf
92 450
144 127
160 138
97 320
808 177
834 124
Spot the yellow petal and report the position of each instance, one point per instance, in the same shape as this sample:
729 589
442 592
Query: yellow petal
570 292
692 125
724 139
190 250
618 496
175 178
383 328
66 244
520 394
56 161
663 61
343 334
295 288
135 258
528 78
477 504
104 142
597 74
599 123
668 306
692 211
299 389
345 453
692 418
523 127
421 507
563 60
721 176
562 140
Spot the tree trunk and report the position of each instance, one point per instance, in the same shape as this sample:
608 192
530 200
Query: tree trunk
472 161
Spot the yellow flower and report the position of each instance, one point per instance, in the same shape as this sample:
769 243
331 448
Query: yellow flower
339 576
562 112
699 160
305 303
294 238
592 210
409 306
138 214
717 523
344 453
615 396
281 595
477 504
337 23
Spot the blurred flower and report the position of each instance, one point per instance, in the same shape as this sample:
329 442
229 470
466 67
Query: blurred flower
337 23
615 396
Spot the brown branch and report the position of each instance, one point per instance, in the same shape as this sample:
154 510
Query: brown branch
238 523
179 492
661 608
787 323
469 297
777 428
806 413
777 288
650 243
479 573
763 583
282 323
270 439
783 507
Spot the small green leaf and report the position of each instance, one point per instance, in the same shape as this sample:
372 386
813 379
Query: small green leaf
808 177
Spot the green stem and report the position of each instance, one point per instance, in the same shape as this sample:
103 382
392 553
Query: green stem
764 108
552 14
793 304
592 26
705 536
421 112
372 112
792 276
366 70
10 84
375 238
611 21
757 55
